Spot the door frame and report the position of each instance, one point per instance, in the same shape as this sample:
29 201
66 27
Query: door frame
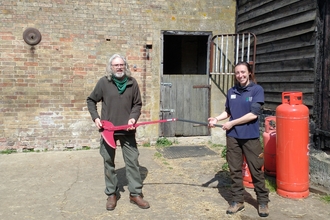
209 34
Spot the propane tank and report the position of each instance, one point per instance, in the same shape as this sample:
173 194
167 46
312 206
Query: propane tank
247 179
269 139
292 142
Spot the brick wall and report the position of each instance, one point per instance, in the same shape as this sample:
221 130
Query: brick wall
44 87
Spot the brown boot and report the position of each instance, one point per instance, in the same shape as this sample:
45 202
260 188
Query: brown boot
263 210
235 207
139 201
111 202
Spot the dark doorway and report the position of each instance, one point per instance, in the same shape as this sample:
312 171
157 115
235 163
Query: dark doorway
185 82
185 54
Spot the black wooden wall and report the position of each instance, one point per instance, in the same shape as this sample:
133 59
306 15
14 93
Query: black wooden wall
290 53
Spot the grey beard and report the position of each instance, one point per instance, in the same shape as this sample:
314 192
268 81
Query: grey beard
119 75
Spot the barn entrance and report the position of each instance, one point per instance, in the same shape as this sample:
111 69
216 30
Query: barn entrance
185 85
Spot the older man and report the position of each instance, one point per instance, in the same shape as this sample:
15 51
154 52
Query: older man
121 104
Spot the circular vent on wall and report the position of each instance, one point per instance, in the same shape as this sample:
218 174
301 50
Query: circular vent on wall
32 36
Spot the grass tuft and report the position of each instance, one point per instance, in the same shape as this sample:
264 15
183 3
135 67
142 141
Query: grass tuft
163 142
270 183
326 198
146 144
8 151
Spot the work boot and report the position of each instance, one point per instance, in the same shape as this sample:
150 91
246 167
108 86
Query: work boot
235 207
111 202
139 201
263 210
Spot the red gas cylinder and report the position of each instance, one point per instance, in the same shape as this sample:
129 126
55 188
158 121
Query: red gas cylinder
292 141
269 139
247 179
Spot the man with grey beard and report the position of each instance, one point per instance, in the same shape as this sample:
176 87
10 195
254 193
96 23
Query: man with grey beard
121 104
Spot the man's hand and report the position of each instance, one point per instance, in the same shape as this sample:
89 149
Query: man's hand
131 122
98 123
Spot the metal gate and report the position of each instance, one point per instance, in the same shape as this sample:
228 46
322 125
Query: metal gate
226 51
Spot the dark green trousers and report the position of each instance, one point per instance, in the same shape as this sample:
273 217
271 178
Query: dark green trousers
252 150
130 155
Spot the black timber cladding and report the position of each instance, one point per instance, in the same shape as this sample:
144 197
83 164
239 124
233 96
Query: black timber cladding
286 38
292 54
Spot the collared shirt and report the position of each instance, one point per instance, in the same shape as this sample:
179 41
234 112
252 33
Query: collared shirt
238 103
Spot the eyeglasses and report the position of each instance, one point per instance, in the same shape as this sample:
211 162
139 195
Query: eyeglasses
118 65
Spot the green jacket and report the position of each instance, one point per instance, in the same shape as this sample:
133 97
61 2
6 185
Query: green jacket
116 108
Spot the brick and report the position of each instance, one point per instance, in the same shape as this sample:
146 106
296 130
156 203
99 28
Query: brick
59 73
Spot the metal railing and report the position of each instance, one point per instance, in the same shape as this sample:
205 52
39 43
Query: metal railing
226 51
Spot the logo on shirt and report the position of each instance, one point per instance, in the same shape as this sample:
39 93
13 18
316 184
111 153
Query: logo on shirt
248 99
233 96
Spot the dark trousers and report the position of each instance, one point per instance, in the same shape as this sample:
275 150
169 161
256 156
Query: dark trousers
253 152
130 155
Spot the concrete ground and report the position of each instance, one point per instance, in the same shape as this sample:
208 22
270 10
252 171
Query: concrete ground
70 185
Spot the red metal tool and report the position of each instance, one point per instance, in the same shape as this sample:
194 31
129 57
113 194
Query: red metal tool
109 128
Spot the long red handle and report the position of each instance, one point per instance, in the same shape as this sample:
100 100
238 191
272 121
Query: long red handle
124 127
109 128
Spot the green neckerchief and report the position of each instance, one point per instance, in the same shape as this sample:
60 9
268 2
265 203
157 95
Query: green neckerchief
121 84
